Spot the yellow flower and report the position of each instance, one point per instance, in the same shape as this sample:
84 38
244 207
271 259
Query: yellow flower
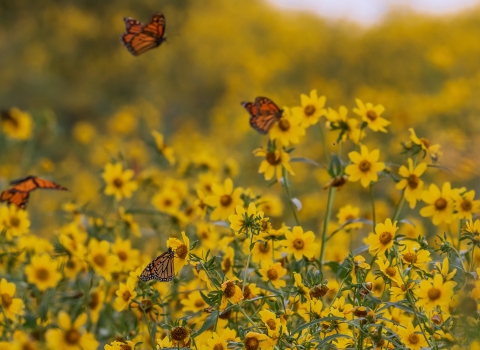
273 272
411 182
365 166
245 221
124 121
413 255
14 220
432 150
121 345
193 303
101 260
349 213
16 124
164 343
200 205
413 338
43 272
466 205
129 222
127 256
443 269
261 250
167 201
349 128
125 294
70 336
182 251
272 323
118 181
301 288
273 163
287 130
371 115
216 342
231 292
360 262
228 262
10 306
391 272
300 244
383 238
434 292
224 200
95 304
84 132
163 148
271 205
72 238
255 341
440 204
311 109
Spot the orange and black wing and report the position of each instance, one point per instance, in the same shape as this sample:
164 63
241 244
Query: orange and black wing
31 183
161 268
20 199
252 110
139 39
263 114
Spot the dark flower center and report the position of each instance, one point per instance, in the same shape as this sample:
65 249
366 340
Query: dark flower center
118 182
440 204
72 336
251 343
100 260
14 221
218 347
263 247
229 290
434 293
364 166
122 256
413 338
167 202
309 110
271 324
272 274
199 303
42 274
94 301
372 115
6 301
413 181
147 305
410 258
182 251
225 200
318 291
298 243
466 205
272 158
178 333
425 142
385 237
284 124
390 271
227 264
126 296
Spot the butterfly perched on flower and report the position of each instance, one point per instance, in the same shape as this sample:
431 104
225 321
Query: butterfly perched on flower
140 38
20 191
263 113
160 269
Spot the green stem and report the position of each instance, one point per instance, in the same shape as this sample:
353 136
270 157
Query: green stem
286 183
331 195
248 263
250 320
399 208
471 260
459 233
373 207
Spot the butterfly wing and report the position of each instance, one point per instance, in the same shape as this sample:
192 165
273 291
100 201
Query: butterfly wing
20 199
31 183
263 114
267 107
252 110
139 39
160 269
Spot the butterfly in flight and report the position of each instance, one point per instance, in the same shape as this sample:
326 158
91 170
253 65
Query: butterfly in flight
263 113
19 192
160 269
140 38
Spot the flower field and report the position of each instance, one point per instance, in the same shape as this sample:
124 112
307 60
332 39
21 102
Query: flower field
352 223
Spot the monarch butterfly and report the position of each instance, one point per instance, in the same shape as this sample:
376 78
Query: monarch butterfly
140 38
19 192
160 269
263 113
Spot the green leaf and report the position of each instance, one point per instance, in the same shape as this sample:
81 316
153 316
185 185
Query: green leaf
313 323
328 339
209 322
305 160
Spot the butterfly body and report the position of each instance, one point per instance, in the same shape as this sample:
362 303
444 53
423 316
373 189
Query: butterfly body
140 38
19 193
160 269
263 113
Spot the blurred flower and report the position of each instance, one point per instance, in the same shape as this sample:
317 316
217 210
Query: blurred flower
167 201
231 292
84 132
440 204
96 302
271 205
101 260
434 292
349 128
411 182
262 250
14 220
216 342
383 238
431 150
224 200
129 222
118 181
388 270
125 295
124 121
162 147
273 272
365 166
127 256
465 205
273 163
300 244
182 251
120 345
412 255
371 115
228 262
311 110
70 336
16 124
413 338
10 306
244 221
349 213
194 302
43 272
287 130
